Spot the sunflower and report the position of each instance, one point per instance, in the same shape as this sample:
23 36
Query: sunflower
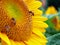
51 10
18 26
56 21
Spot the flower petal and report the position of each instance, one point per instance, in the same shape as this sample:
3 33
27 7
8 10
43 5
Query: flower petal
37 12
35 40
39 18
5 38
34 5
39 33
40 24
16 43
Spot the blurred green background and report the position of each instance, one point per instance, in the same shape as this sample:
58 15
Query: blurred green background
53 31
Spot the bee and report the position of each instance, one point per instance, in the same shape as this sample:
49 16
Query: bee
31 13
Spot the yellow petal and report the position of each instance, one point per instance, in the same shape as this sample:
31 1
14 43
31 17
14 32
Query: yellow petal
39 24
3 43
34 5
6 41
37 12
40 29
12 42
5 38
39 33
39 18
39 39
28 2
35 40
16 43
51 10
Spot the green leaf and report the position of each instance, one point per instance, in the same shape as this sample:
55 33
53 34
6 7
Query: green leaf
54 40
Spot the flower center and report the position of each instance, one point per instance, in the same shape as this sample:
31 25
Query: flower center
16 24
